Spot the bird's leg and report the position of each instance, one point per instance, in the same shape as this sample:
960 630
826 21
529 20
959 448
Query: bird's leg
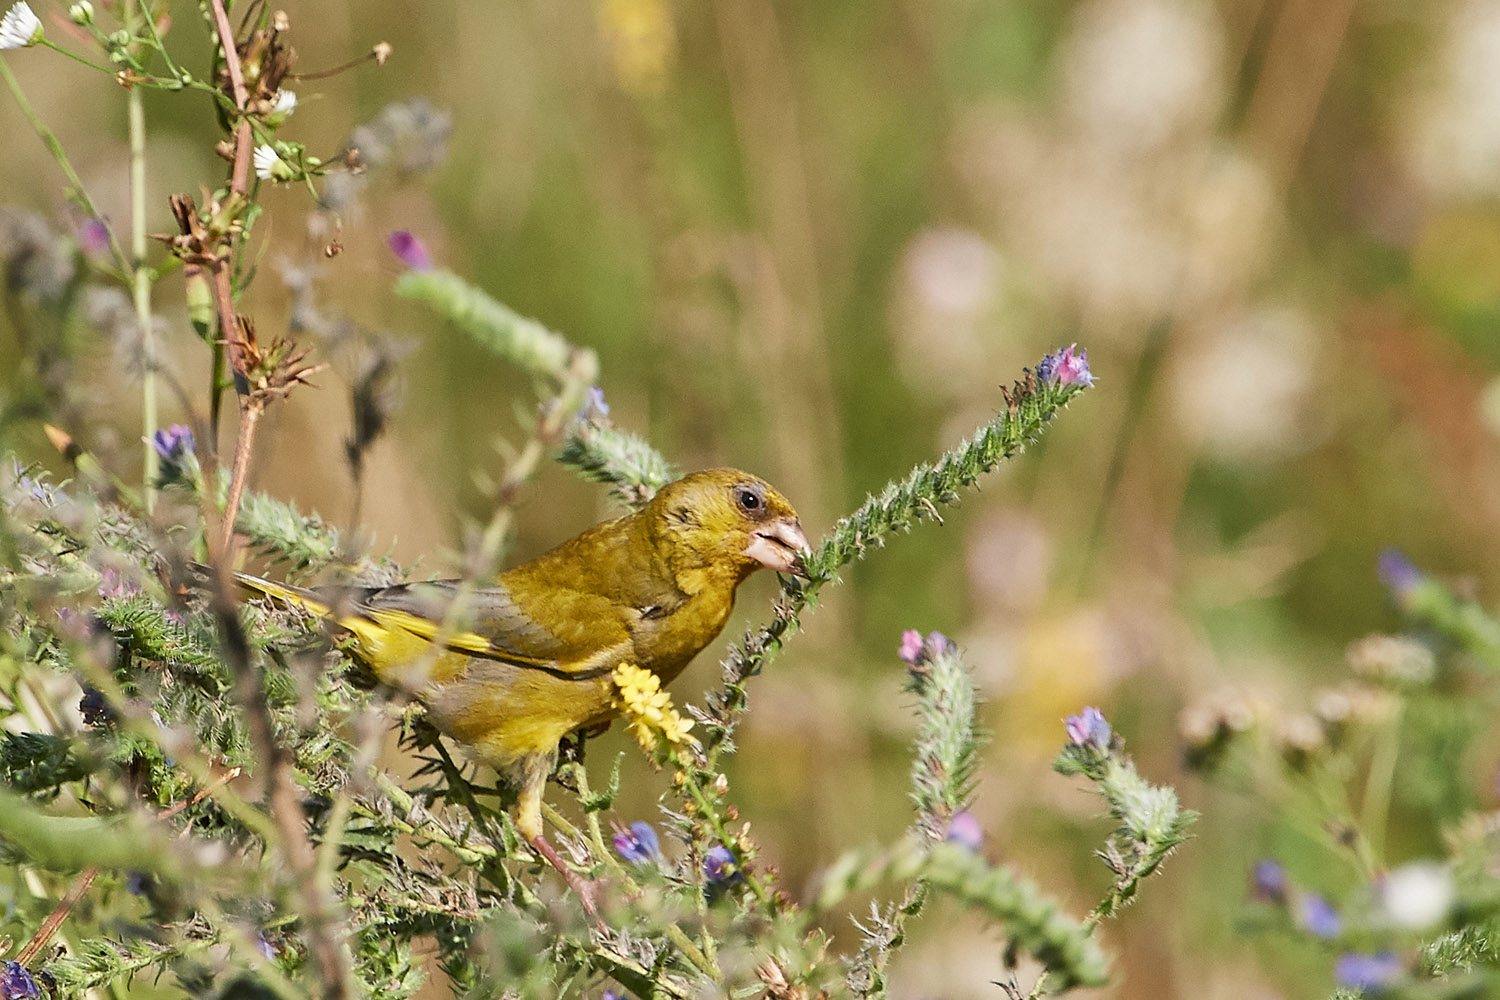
529 823
586 890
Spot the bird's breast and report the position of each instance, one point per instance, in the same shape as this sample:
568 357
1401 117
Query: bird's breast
665 643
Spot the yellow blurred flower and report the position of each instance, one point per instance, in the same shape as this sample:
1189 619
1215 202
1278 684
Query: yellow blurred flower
643 41
647 708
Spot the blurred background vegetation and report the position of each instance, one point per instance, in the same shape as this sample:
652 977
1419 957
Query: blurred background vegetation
812 240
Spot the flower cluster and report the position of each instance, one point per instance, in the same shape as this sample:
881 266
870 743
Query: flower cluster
648 708
1088 728
1066 367
174 446
16 983
638 844
409 250
916 651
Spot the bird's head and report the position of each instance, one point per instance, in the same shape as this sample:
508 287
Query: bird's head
731 518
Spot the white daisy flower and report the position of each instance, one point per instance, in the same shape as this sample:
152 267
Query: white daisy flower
281 108
81 12
20 27
267 162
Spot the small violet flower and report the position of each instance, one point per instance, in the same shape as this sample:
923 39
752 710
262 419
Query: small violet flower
174 445
1270 881
1367 972
94 708
911 646
965 831
915 650
638 844
1398 573
1066 367
93 237
1318 917
720 868
409 250
1088 728
20 27
16 983
594 408
113 585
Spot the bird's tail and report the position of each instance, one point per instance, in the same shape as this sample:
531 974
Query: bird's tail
309 600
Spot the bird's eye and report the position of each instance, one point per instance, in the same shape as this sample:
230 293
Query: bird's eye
748 499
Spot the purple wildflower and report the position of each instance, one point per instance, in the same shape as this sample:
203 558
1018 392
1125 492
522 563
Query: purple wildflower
911 646
965 831
112 584
93 237
611 995
1367 972
1270 881
938 644
1088 728
720 868
174 444
409 250
594 407
1066 367
94 708
1398 573
16 983
638 844
1318 917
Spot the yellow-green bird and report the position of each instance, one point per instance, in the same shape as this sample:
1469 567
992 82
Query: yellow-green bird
531 658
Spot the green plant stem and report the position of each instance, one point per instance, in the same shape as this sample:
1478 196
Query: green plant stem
1382 776
140 277
48 44
159 45
675 934
707 811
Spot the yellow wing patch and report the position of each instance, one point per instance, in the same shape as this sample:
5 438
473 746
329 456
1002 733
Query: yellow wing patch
397 644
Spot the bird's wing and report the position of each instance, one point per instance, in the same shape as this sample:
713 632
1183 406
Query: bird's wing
495 626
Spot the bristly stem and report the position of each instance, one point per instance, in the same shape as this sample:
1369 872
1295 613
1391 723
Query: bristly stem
1029 404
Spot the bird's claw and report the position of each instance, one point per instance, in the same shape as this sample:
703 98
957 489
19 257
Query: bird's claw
587 890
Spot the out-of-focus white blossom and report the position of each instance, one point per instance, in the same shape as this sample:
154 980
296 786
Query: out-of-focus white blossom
1244 390
1137 71
948 284
1453 133
1418 895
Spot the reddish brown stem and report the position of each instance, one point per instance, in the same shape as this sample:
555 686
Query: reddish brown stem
57 916
251 407
239 179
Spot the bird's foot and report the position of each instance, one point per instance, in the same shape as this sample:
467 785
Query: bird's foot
587 890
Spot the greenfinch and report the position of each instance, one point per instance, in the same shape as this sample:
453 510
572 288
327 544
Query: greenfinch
531 657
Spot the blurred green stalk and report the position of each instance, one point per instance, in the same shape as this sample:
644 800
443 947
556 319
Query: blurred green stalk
140 278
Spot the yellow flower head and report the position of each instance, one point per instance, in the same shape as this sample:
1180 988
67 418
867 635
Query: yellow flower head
648 708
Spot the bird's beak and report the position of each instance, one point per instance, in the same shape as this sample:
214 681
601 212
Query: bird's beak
779 546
